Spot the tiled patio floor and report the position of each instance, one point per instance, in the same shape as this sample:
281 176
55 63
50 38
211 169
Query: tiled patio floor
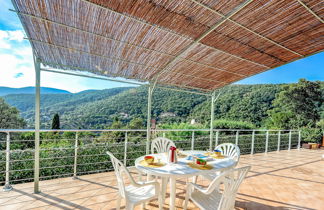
278 180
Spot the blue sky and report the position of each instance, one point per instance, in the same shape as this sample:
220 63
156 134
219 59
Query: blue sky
17 64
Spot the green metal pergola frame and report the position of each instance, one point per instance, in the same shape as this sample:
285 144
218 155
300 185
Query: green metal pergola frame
152 85
151 88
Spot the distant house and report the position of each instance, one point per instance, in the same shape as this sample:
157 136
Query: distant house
167 114
123 115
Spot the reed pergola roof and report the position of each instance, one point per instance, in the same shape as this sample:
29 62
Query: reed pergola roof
196 44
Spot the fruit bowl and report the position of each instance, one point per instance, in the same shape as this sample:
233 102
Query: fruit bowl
201 162
217 152
149 159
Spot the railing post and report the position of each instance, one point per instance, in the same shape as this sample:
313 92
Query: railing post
237 138
289 146
125 148
216 138
7 186
76 146
252 143
299 139
267 142
163 135
279 138
192 140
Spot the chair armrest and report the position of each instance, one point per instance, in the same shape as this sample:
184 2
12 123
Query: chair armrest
197 187
139 173
142 184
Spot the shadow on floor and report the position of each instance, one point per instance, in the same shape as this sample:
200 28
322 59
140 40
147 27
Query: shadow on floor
52 200
242 203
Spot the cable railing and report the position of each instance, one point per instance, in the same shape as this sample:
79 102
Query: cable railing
70 153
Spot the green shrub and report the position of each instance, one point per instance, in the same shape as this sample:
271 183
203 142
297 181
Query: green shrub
181 135
229 124
312 135
320 124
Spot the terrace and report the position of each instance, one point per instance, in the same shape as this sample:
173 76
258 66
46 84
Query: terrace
278 180
191 46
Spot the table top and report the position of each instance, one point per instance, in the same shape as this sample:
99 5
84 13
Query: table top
181 168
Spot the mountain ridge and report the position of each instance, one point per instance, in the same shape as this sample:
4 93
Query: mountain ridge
30 90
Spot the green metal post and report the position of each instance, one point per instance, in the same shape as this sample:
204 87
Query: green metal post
212 115
37 124
149 112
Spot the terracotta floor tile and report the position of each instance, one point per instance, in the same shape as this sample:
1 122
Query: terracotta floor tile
278 180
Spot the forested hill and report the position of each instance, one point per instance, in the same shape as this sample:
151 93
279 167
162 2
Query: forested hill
98 108
30 90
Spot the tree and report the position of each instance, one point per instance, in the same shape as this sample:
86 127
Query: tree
296 106
9 117
136 123
56 122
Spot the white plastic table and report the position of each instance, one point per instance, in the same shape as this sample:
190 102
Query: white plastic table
181 170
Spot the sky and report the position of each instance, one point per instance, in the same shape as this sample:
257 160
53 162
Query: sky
17 70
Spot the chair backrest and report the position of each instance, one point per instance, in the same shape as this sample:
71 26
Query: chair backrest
161 144
230 150
231 179
120 170
231 186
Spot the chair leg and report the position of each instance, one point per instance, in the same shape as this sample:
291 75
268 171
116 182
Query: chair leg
194 179
143 205
160 202
118 202
186 199
164 186
129 206
149 178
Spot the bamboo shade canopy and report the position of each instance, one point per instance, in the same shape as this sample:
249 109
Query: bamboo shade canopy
195 44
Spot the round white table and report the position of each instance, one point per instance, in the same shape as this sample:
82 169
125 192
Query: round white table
181 170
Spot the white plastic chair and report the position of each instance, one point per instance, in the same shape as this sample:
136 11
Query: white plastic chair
211 198
161 145
231 151
135 193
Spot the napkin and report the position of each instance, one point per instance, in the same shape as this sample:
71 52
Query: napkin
204 157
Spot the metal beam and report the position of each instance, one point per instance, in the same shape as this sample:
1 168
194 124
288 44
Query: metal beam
22 23
127 43
82 69
134 63
87 70
91 77
240 25
211 29
311 11
37 124
181 90
130 77
121 81
131 62
93 54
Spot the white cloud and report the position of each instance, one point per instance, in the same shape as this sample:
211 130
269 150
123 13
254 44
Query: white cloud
4 40
17 69
10 36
